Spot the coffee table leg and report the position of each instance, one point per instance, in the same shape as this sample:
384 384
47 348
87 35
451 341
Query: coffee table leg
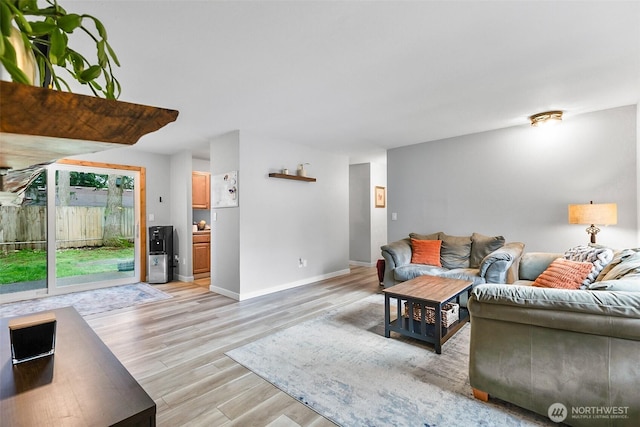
438 328
387 316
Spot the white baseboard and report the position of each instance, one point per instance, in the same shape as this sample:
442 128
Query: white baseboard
182 278
248 295
224 292
362 263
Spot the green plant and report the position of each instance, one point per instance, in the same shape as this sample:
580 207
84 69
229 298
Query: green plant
44 31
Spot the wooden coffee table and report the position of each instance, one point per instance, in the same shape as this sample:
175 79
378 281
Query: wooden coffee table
422 292
81 384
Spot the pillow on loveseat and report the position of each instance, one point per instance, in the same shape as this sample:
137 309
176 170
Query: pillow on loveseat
455 251
624 261
564 274
425 252
432 236
481 246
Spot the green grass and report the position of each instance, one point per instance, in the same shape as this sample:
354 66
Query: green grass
29 265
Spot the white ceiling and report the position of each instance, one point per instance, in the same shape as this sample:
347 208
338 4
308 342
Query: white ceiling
359 77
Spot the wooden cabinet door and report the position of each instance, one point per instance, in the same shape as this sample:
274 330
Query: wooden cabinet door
200 190
201 258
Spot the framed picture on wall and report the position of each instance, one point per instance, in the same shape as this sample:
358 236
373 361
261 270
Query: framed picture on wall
225 190
381 197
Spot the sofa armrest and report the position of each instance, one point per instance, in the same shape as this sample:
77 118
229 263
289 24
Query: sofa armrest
532 264
399 253
395 254
501 265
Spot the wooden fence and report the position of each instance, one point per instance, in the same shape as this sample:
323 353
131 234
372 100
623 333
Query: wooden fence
24 227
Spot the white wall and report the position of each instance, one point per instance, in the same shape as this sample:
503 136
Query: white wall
282 220
518 181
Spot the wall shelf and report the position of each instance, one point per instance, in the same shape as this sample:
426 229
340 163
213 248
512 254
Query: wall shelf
293 177
41 125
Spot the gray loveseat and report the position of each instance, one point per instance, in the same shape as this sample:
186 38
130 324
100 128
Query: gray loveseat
478 258
536 347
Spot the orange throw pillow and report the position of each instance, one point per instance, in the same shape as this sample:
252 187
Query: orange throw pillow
564 274
426 252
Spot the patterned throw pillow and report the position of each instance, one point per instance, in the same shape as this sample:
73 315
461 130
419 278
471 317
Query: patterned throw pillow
563 274
599 257
425 252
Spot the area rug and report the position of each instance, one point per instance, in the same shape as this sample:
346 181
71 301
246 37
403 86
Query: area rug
342 366
89 302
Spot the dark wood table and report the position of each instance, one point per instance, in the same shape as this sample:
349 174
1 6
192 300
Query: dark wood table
422 292
82 384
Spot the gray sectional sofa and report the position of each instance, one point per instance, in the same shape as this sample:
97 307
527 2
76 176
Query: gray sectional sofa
575 349
478 258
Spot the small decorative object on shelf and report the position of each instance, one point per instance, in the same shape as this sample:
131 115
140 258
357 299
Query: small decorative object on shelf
285 171
301 169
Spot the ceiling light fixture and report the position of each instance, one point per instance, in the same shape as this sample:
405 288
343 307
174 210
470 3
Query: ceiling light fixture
546 117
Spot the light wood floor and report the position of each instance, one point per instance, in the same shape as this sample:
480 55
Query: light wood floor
175 349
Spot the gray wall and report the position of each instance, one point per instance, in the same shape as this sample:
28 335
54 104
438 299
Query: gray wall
181 214
360 213
367 224
518 182
225 230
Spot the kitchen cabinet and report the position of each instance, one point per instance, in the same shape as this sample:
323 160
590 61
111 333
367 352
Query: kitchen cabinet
201 253
200 190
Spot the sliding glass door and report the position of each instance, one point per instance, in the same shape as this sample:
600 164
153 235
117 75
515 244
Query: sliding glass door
23 241
96 228
76 228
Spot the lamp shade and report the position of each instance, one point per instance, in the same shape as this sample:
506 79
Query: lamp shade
600 214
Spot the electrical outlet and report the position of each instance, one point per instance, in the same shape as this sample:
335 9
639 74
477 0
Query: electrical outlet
304 262
300 263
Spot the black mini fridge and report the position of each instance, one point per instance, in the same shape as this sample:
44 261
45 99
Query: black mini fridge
160 254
